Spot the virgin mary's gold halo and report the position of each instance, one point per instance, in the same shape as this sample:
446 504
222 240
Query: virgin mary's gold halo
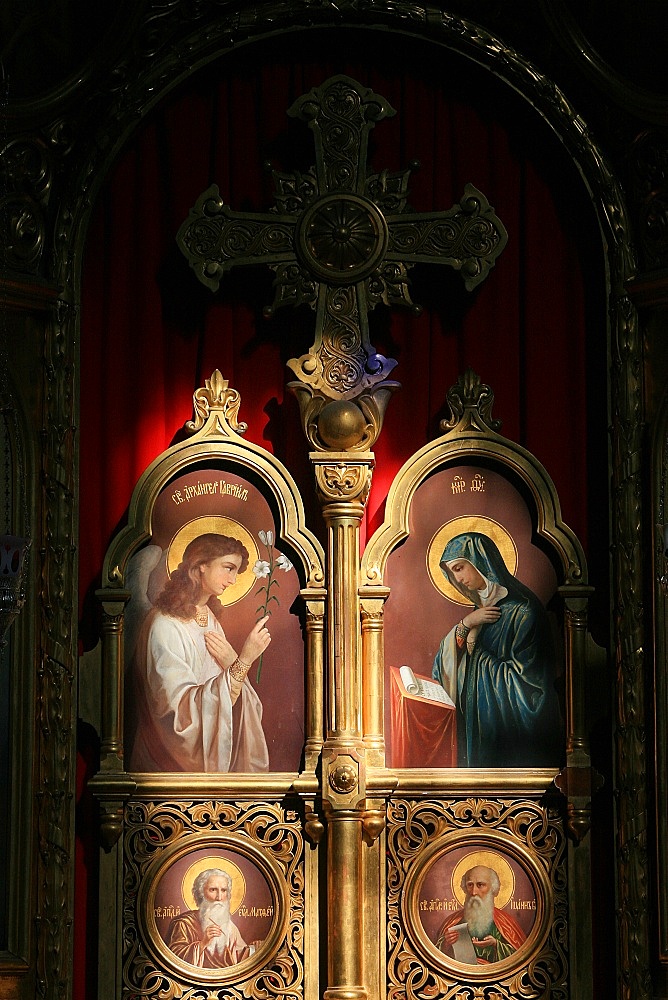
488 859
217 524
225 865
461 526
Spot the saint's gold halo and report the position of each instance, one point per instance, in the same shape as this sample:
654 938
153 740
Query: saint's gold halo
488 859
217 524
461 526
225 865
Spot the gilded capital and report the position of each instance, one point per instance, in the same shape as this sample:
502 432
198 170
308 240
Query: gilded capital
351 423
343 478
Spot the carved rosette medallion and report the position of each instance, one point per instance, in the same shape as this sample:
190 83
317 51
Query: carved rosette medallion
343 778
341 238
344 786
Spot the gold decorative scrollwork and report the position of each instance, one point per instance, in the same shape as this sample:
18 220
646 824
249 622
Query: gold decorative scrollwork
27 170
525 829
472 398
268 833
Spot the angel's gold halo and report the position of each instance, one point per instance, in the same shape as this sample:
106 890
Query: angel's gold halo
217 524
461 526
225 865
488 859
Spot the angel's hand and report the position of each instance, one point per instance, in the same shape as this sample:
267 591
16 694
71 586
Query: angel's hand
221 650
256 642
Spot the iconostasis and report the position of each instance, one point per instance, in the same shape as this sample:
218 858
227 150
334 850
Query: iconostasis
345 633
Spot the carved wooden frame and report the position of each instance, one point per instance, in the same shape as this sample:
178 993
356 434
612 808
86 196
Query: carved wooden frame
472 434
17 650
216 435
659 466
421 827
267 835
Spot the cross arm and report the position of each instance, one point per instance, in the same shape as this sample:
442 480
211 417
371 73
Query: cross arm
468 237
214 238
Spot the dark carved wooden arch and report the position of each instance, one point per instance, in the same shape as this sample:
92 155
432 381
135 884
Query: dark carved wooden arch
168 50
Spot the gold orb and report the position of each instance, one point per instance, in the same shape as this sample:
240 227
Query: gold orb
341 424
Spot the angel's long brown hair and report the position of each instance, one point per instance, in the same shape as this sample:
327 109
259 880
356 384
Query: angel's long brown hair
181 590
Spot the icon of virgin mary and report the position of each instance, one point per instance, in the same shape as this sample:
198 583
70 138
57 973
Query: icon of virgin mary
498 663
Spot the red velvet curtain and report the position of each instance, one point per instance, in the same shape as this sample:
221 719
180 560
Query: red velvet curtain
151 334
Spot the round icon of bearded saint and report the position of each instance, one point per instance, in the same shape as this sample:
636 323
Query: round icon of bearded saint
206 935
482 931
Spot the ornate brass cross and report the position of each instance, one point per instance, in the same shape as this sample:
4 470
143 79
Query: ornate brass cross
342 239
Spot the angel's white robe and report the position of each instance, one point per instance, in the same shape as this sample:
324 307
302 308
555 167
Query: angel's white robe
184 704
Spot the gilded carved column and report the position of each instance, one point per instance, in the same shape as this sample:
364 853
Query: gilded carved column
373 654
343 482
576 780
112 769
314 633
113 606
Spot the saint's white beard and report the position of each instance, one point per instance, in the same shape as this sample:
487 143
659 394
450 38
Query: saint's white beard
479 915
216 912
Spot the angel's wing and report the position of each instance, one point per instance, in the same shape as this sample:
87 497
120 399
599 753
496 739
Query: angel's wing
138 581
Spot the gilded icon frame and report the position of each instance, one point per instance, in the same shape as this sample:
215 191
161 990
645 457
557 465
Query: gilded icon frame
477 842
211 801
215 441
471 437
233 844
